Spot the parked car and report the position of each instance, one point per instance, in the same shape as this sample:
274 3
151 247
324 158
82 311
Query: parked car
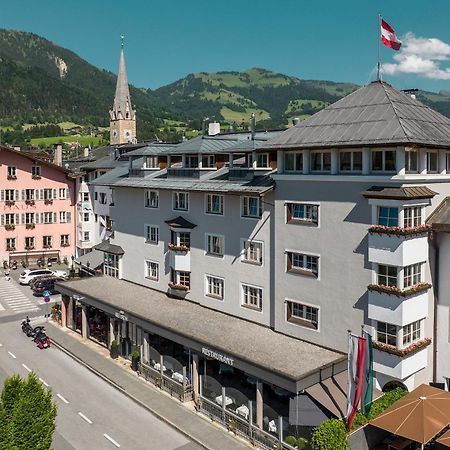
29 274
45 283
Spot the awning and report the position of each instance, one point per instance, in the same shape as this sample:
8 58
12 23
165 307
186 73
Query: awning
440 218
180 222
444 439
106 247
94 258
399 193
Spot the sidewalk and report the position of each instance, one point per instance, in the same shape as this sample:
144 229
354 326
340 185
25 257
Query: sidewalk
194 427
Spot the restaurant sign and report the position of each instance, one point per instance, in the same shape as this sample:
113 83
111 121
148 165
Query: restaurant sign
216 355
121 315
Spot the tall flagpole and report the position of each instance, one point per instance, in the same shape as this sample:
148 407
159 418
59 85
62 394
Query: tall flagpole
379 47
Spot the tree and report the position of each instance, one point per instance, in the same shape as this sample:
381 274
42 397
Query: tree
27 414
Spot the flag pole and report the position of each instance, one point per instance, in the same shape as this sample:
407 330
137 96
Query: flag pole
379 47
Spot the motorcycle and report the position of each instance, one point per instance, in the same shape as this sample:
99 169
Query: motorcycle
42 340
27 328
14 265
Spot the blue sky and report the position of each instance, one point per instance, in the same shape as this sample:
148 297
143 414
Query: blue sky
322 39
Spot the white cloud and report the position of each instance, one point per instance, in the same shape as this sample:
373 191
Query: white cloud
421 56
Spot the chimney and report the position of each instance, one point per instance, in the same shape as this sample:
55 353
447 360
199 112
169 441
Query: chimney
252 125
213 128
86 152
295 121
57 157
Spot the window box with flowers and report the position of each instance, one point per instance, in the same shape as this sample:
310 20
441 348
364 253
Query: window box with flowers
30 226
399 231
10 226
10 203
30 202
178 248
48 201
36 177
65 244
11 177
29 247
10 249
178 287
411 349
47 246
392 290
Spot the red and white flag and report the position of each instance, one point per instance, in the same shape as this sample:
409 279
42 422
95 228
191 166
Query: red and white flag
388 36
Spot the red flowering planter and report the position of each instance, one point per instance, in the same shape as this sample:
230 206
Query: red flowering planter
178 248
411 349
399 231
391 290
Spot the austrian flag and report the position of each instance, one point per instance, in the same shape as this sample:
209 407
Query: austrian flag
388 36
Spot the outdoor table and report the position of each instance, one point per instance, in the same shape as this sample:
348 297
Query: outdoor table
400 444
228 400
177 377
243 411
157 366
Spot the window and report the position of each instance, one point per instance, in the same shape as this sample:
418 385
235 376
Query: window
181 238
35 171
85 196
301 263
28 218
301 213
10 244
63 193
29 195
12 172
251 207
262 160
252 297
350 161
11 219
387 333
47 194
182 278
64 217
47 241
411 333
387 275
29 243
411 160
151 199
152 270
252 252
181 201
432 162
86 217
10 195
214 245
64 240
387 216
383 160
307 316
86 236
95 195
412 275
102 200
214 287
151 234
214 204
192 161
293 162
151 162
320 161
412 217
208 161
111 265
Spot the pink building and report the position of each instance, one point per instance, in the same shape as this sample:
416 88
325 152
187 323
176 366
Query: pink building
37 209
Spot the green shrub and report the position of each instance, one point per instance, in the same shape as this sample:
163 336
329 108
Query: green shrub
291 440
330 435
135 354
379 405
114 343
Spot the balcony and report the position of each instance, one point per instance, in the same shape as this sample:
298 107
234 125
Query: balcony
398 366
180 258
396 309
396 249
183 172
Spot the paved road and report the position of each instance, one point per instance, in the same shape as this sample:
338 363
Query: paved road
91 414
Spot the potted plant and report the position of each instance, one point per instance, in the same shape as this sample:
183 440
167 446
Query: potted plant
135 360
114 350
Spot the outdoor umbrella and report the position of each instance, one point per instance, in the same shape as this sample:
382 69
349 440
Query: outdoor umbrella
418 416
445 439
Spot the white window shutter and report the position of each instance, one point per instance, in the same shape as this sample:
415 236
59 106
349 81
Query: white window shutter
55 218
16 195
69 217
42 217
23 194
2 195
23 218
17 218
2 219
55 194
67 193
36 218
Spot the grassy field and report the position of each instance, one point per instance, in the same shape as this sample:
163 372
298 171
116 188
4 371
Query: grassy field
237 116
296 105
83 140
228 97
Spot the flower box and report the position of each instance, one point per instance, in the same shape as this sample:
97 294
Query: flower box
29 247
9 226
30 202
48 201
178 287
36 177
392 290
65 245
30 226
10 203
178 248
11 177
399 231
413 348
10 249
47 246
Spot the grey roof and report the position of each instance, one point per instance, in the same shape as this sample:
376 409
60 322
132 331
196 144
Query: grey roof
205 144
399 193
94 258
291 358
105 246
180 222
122 100
107 162
440 218
153 149
376 114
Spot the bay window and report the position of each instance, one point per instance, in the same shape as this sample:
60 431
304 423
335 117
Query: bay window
387 275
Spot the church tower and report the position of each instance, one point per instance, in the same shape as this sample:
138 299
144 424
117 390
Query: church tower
122 117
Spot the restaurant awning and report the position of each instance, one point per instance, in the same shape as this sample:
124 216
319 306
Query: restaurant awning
444 439
419 415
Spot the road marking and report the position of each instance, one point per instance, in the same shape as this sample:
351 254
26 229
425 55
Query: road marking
62 398
1 345
110 439
12 355
26 368
43 382
89 421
